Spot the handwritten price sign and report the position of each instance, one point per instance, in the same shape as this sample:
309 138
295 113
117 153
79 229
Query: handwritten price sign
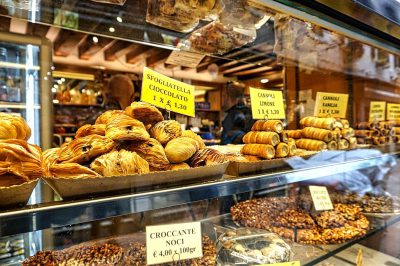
267 104
321 199
331 104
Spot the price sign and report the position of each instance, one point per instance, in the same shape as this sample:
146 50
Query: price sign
377 111
393 111
184 58
267 104
173 242
320 197
167 93
290 263
331 104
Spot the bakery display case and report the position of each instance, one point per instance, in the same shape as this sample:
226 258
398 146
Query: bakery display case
311 98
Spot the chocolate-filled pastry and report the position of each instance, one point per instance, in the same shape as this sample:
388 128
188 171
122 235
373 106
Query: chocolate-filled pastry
144 112
107 116
13 127
84 149
120 163
206 157
178 166
191 134
181 149
152 151
86 130
282 150
165 131
124 127
265 151
261 137
268 125
71 170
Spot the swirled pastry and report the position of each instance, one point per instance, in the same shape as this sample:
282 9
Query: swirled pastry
13 127
81 150
124 127
71 170
107 116
87 130
120 163
16 150
144 112
206 157
294 134
165 131
191 134
181 149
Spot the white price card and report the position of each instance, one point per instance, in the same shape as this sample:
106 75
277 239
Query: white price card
173 242
320 197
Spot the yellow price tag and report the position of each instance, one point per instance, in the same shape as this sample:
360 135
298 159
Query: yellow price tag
267 104
393 111
167 93
377 111
290 263
331 104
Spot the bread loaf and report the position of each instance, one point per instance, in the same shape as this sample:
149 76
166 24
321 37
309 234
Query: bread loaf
265 151
261 137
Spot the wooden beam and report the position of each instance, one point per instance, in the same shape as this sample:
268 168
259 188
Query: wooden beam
37 29
253 71
133 56
66 41
247 66
5 24
89 47
110 54
155 58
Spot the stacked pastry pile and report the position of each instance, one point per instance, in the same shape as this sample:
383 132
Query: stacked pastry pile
319 134
135 141
291 219
113 252
378 133
267 140
20 162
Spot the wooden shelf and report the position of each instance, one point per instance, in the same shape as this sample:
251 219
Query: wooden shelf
77 105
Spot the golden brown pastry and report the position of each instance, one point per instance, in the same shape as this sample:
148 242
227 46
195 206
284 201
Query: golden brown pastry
71 170
165 131
338 124
352 142
120 163
343 144
347 133
294 134
261 137
385 132
179 166
16 173
144 112
292 147
241 158
283 137
384 124
311 144
396 130
84 149
49 158
332 145
268 125
107 116
124 127
345 123
265 151
191 134
206 157
16 150
317 133
87 130
181 149
324 123
152 151
13 127
367 125
282 150
395 138
363 133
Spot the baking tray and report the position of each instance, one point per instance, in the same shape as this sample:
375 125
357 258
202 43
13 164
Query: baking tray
18 194
79 187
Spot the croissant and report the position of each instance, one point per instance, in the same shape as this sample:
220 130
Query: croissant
347 133
324 123
265 151
107 116
206 157
165 131
343 144
120 163
268 125
332 145
144 112
317 133
282 150
179 166
311 144
15 173
352 142
71 170
124 127
191 134
13 127
294 134
86 130
292 147
181 149
152 151
261 137
84 149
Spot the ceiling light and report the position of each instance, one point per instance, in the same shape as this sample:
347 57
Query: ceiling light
264 80
56 86
111 29
53 90
59 81
119 19
62 79
95 39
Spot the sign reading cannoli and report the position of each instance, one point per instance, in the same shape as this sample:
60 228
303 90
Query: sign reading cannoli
331 104
377 111
173 242
320 197
393 111
267 104
167 93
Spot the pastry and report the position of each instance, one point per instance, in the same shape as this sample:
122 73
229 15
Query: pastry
16 150
49 158
13 127
294 134
107 116
268 125
86 130
343 144
265 151
332 145
283 137
124 127
179 166
311 144
165 131
181 149
206 157
82 150
71 170
261 137
242 158
191 134
292 147
363 133
120 163
324 123
317 133
144 112
345 123
282 150
347 133
367 125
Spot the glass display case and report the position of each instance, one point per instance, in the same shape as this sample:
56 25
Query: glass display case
261 203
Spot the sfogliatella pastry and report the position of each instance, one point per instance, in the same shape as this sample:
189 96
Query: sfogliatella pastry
311 144
107 116
179 166
165 131
124 127
87 130
13 127
82 150
71 170
206 157
181 149
268 125
49 158
265 151
324 123
144 112
120 163
191 134
261 137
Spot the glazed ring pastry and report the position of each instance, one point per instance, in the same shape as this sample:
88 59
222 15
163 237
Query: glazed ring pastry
107 116
144 112
87 130
181 149
165 131
124 127
207 157
71 170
